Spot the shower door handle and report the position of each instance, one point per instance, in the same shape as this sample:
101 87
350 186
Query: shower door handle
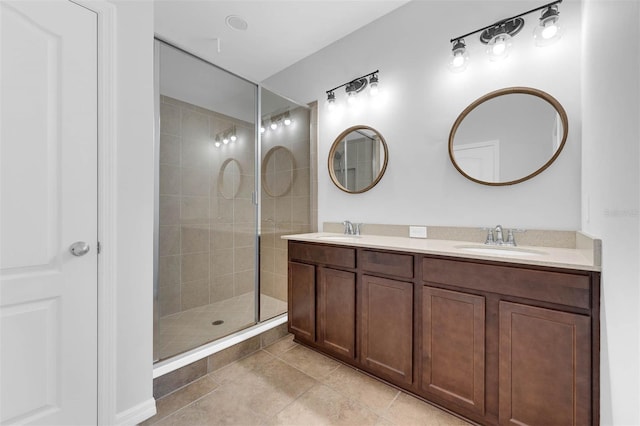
79 248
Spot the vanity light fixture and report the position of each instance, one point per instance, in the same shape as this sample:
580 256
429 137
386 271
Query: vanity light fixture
548 31
226 137
282 119
353 87
460 58
331 100
373 85
498 36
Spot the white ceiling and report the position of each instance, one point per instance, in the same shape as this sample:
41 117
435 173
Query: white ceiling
279 33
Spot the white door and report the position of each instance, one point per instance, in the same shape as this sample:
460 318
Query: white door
479 160
48 201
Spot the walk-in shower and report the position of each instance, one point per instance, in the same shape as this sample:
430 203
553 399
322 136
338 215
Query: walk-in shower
234 174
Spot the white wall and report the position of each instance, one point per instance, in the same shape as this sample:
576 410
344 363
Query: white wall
420 99
134 209
611 191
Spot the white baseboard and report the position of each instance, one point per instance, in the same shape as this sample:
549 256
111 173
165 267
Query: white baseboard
137 414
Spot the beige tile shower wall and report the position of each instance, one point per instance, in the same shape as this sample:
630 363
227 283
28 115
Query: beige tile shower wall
286 198
207 243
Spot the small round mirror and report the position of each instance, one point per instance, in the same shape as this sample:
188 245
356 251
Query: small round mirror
229 178
278 171
358 159
508 136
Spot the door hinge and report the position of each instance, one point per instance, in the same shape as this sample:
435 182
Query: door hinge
98 247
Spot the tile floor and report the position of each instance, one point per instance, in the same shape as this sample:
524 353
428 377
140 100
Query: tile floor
288 384
189 329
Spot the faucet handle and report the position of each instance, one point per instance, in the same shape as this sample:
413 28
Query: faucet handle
356 230
511 241
489 240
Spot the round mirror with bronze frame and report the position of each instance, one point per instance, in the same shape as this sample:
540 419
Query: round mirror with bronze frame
508 136
358 159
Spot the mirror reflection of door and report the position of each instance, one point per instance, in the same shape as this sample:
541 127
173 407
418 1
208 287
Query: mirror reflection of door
480 160
357 160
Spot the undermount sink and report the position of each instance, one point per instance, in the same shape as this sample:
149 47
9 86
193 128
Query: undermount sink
501 250
338 237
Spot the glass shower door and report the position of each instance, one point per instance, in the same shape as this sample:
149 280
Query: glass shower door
285 193
206 245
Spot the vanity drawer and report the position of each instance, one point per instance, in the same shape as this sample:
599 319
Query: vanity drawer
399 265
322 254
546 286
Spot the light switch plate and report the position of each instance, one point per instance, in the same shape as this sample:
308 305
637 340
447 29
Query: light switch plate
417 232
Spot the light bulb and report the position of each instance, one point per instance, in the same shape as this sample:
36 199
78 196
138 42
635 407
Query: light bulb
373 89
373 85
225 140
460 57
548 31
233 138
217 144
274 126
262 129
331 104
287 121
352 98
498 47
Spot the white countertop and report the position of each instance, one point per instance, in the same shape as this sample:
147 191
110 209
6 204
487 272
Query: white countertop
528 255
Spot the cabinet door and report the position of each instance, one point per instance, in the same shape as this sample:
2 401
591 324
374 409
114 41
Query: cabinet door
387 328
337 311
545 366
453 365
302 297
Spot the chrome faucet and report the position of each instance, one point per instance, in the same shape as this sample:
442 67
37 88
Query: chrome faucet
351 228
348 227
498 239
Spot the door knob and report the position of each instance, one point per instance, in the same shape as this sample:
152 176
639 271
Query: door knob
79 248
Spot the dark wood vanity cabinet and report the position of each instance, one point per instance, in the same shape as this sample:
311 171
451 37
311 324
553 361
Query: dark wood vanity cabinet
544 366
322 298
386 328
453 347
497 343
336 312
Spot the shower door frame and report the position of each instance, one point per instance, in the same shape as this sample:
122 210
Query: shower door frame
256 193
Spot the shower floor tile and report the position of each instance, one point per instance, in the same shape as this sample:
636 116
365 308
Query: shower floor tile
189 329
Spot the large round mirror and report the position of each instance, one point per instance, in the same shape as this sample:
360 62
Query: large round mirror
508 136
358 159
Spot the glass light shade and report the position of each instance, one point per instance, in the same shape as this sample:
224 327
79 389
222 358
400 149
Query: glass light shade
274 126
459 60
548 32
225 141
262 129
217 144
373 89
233 138
352 98
498 47
331 104
287 121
